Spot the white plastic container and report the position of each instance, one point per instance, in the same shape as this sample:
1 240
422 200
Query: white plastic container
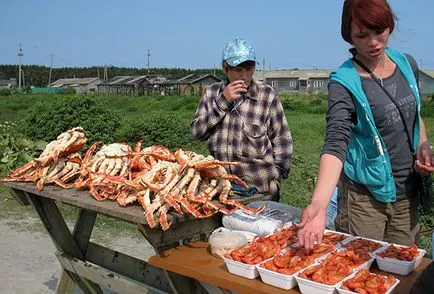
342 291
224 242
311 287
248 271
397 266
384 244
277 279
366 265
347 236
318 258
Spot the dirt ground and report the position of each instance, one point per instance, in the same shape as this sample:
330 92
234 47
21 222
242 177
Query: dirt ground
29 265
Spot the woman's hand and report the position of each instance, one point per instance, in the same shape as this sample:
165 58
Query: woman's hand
424 163
311 228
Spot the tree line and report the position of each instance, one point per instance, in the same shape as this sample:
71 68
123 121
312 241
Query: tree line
38 75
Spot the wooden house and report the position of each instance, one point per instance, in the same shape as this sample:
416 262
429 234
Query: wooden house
8 83
295 80
126 85
81 85
195 84
426 82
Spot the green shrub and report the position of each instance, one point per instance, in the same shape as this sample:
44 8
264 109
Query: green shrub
50 118
5 92
69 91
161 128
427 109
15 149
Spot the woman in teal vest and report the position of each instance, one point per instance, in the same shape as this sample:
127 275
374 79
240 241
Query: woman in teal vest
373 126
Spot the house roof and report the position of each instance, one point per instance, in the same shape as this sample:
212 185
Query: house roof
193 78
295 74
429 73
132 80
73 82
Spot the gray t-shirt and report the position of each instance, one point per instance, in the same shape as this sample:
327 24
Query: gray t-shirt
341 115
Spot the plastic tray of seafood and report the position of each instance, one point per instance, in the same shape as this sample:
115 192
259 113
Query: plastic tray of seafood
369 282
280 270
238 268
271 277
335 238
399 259
369 245
316 279
243 261
355 258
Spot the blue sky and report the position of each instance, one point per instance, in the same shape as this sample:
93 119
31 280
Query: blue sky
192 33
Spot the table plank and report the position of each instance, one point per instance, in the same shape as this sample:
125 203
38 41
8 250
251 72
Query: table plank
83 199
195 260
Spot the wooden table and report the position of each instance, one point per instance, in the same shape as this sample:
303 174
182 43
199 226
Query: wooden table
90 265
195 260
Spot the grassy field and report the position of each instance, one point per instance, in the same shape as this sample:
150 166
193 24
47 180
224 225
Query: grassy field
305 115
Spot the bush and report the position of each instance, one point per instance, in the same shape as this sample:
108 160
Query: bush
161 128
50 118
5 92
15 150
69 91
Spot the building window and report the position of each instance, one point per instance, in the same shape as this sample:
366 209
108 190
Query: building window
274 84
303 83
292 84
318 84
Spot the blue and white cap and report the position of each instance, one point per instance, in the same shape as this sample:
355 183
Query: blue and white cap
237 51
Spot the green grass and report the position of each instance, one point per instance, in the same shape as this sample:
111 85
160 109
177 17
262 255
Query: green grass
306 119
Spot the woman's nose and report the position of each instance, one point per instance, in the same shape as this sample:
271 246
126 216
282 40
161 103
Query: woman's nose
373 41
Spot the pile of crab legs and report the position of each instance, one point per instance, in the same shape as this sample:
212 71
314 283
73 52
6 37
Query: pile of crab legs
156 178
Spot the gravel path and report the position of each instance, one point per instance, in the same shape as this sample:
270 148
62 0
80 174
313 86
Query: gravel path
28 263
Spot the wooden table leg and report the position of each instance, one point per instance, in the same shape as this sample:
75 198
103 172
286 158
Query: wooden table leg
182 231
82 232
62 238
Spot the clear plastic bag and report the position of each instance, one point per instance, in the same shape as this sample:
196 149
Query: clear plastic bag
274 216
278 211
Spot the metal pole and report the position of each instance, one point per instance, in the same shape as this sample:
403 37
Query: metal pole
149 54
51 66
20 54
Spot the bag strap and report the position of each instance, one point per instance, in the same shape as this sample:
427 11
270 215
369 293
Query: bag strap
374 77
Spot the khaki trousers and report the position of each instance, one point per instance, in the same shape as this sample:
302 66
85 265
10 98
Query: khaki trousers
362 215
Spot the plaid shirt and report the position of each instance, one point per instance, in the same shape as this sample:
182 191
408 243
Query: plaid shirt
252 130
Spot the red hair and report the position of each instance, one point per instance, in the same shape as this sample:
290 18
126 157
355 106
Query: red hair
373 14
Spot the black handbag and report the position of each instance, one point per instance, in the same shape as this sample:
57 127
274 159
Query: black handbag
423 182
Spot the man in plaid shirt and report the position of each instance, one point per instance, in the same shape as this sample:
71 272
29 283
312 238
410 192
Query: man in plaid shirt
243 120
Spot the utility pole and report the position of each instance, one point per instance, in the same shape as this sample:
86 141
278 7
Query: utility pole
51 66
149 54
105 74
214 69
20 54
263 69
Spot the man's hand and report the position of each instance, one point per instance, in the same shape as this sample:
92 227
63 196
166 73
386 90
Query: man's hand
311 228
234 89
424 163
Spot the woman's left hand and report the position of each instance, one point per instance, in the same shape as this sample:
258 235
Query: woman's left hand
424 163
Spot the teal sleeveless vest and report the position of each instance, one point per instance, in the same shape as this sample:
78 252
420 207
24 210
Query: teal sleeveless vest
368 161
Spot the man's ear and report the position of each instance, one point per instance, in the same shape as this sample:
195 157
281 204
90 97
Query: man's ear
225 67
